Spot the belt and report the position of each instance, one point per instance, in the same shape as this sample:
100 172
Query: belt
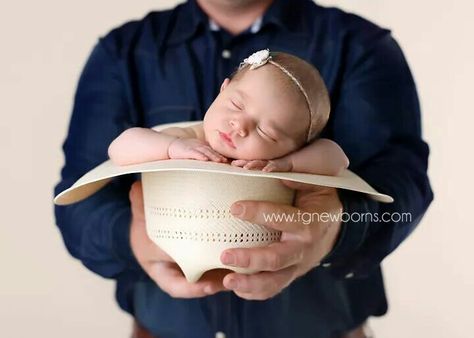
140 332
362 331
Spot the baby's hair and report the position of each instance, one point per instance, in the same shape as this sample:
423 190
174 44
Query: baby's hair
313 90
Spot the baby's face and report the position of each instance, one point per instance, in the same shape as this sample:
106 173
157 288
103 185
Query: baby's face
256 117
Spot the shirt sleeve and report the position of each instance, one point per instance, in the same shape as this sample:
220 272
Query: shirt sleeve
96 230
377 122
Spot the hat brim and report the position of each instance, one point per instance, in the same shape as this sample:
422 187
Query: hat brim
102 174
98 177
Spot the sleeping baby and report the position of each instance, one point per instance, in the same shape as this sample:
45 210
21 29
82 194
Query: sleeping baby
268 116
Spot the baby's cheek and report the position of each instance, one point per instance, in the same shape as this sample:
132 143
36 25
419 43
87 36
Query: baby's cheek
251 151
261 150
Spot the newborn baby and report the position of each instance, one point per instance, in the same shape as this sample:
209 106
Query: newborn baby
267 116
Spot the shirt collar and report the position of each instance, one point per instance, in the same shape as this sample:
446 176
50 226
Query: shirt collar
190 18
254 28
281 13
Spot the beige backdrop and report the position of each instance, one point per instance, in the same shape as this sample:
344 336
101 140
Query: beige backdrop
46 293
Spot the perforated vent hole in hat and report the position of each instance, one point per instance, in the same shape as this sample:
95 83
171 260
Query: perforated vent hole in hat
216 236
185 213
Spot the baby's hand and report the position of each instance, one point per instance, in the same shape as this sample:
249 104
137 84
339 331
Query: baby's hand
279 164
193 149
250 164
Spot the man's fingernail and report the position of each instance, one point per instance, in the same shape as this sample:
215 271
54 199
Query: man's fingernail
232 284
237 209
228 259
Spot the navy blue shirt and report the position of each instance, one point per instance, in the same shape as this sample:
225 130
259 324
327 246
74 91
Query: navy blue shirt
168 67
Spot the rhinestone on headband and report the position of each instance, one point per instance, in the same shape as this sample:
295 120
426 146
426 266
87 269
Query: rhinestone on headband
257 59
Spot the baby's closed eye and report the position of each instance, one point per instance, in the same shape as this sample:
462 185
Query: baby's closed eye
236 105
265 134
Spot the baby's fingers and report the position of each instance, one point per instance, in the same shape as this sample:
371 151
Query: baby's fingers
212 154
256 164
197 155
271 166
239 163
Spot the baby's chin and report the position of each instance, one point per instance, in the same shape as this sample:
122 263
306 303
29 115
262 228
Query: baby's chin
235 154
221 149
228 154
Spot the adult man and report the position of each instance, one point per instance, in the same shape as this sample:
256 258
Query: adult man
167 67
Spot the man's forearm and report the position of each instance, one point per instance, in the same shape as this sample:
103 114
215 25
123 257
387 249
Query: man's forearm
96 230
372 230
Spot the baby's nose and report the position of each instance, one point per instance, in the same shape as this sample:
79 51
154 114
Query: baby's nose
239 127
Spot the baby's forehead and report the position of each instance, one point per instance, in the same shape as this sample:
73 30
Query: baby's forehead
267 71
274 104
266 80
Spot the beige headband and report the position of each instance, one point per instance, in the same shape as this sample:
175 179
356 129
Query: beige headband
264 56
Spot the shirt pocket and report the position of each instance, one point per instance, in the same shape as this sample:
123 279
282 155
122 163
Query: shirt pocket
169 114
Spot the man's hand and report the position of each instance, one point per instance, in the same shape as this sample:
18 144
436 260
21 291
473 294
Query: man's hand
161 267
302 246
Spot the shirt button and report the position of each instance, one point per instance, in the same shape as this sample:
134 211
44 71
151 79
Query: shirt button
349 275
220 334
226 54
326 265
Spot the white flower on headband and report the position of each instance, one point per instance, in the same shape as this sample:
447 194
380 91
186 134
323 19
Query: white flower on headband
257 59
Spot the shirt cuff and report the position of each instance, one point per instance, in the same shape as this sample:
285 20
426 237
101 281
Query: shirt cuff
354 226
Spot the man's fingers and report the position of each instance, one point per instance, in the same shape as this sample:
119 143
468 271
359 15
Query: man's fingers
280 217
155 253
274 257
214 279
158 264
136 195
259 286
145 250
169 278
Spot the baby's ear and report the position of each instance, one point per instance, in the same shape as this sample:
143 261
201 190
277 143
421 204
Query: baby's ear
225 83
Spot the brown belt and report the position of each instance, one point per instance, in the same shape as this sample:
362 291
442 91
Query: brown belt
140 332
359 332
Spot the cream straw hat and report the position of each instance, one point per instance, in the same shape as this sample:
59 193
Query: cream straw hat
187 204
